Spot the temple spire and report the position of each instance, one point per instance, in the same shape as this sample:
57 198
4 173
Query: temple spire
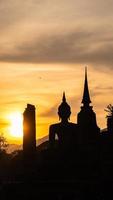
86 97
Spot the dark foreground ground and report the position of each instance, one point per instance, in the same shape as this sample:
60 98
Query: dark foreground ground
72 174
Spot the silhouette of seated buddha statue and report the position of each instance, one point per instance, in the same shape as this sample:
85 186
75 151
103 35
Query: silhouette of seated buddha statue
64 131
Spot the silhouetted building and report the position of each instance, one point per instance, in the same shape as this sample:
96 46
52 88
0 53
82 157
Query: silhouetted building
86 120
65 131
29 130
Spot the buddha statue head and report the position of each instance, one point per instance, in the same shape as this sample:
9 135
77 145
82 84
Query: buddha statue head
64 110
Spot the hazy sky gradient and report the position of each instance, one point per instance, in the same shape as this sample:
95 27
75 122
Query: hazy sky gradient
44 46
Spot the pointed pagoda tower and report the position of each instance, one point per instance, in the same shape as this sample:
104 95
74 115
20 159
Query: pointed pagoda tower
86 97
88 129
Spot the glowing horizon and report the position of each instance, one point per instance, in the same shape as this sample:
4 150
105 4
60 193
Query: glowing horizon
16 127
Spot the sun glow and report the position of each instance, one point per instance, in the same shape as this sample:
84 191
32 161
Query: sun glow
16 127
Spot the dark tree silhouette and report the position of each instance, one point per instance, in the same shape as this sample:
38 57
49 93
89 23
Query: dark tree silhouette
109 110
3 143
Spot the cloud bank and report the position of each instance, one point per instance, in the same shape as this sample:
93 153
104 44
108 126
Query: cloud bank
56 32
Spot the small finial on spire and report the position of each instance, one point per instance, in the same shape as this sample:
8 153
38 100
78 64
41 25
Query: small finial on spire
85 71
64 97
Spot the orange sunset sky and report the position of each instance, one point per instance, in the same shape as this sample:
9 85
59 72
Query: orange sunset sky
44 47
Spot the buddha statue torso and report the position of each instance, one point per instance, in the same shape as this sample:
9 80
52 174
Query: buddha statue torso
64 131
